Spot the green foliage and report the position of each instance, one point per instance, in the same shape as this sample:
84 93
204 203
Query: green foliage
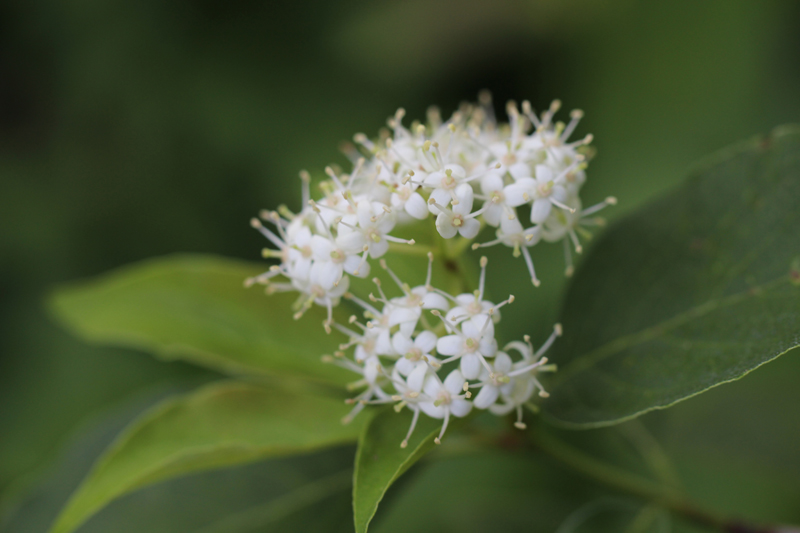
220 425
380 460
195 308
689 292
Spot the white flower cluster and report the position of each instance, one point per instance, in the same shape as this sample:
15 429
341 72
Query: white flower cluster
525 169
399 354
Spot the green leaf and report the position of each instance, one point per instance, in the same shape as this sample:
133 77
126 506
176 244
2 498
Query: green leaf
380 460
219 425
195 308
693 290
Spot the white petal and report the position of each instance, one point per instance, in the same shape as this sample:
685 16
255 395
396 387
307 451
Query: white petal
435 301
351 243
470 228
491 182
492 215
400 315
465 196
471 366
516 192
486 397
326 274
536 232
502 363
416 206
417 377
371 366
401 343
404 366
442 197
322 247
454 382
450 345
364 213
353 263
540 210
431 410
460 407
432 386
519 171
458 171
434 179
303 236
544 173
472 327
510 226
426 341
444 225
559 193
378 249
488 346
383 344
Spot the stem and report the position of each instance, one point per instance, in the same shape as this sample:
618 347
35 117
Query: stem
638 486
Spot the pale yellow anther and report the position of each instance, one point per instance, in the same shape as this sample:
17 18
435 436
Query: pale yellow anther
484 261
559 330
426 146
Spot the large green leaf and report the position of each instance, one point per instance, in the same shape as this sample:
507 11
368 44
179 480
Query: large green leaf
219 425
195 308
380 460
693 290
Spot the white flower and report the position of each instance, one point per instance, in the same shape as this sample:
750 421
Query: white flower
445 398
472 305
497 207
513 235
565 226
407 198
472 344
460 219
416 353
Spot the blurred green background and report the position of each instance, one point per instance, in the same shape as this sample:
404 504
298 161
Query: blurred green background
135 129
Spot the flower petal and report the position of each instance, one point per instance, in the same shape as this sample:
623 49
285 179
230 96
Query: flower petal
450 345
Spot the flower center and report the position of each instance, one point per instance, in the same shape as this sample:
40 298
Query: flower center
338 256
471 344
443 398
474 308
458 221
317 291
546 188
509 159
414 354
448 181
